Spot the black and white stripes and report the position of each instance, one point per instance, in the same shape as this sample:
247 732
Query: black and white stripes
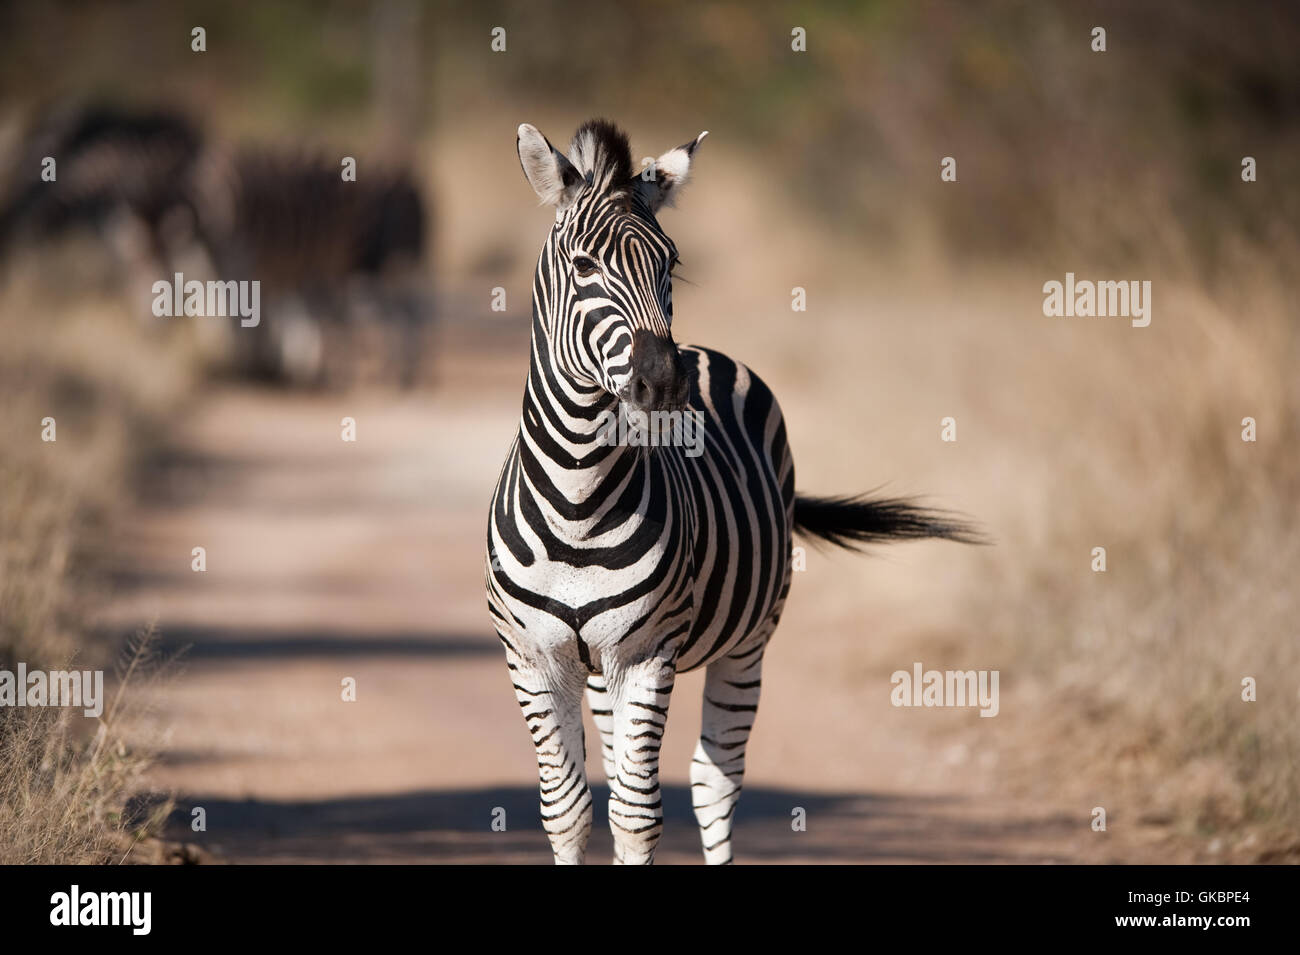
612 567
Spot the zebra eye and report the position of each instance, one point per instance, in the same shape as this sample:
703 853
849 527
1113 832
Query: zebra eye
584 266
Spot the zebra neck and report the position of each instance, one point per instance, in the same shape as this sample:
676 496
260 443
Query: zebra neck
564 438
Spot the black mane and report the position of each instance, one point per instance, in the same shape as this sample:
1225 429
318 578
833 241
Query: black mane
610 159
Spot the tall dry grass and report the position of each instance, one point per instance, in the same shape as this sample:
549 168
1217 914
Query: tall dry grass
71 353
66 796
1122 688
1135 676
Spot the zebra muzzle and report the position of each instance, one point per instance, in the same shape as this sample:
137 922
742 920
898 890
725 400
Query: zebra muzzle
659 380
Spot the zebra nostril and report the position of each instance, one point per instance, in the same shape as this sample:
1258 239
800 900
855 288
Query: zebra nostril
642 392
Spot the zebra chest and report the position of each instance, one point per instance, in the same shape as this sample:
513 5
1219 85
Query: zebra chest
604 592
604 566
600 593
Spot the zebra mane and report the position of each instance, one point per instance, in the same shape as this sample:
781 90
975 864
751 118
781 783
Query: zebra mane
601 153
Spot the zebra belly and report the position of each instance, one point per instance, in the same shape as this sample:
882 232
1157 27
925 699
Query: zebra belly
744 501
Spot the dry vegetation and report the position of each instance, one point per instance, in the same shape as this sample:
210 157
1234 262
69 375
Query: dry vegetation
1133 678
68 781
1121 689
68 797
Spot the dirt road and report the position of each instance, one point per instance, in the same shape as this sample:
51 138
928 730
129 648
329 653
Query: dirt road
329 560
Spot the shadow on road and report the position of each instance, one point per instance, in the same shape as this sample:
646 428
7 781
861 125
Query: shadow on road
456 826
235 644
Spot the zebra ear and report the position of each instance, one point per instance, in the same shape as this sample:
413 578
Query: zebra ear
660 182
552 176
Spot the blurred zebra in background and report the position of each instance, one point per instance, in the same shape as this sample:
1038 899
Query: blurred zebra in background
325 251
124 176
162 199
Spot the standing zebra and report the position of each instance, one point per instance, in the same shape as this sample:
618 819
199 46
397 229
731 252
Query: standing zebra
616 566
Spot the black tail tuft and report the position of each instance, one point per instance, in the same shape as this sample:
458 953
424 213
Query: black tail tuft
852 522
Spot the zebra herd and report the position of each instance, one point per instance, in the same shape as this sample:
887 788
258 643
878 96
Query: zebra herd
166 198
611 567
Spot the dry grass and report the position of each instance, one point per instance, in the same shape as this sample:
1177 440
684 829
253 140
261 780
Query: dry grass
1134 677
66 795
77 358
1121 689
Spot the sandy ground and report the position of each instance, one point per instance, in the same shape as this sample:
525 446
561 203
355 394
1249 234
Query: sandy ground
328 560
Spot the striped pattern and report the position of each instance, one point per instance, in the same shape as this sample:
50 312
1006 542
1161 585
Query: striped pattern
289 220
613 567
109 164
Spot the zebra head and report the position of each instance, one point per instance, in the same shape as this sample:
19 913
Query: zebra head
603 293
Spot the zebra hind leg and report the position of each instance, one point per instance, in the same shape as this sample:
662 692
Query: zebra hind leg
552 708
731 689
639 699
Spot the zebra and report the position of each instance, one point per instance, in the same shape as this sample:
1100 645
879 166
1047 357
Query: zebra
165 197
124 174
288 219
611 567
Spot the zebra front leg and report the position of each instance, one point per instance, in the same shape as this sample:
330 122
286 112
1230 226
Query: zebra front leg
639 696
552 706
731 690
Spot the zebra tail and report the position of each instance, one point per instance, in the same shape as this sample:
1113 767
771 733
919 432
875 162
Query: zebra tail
852 522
